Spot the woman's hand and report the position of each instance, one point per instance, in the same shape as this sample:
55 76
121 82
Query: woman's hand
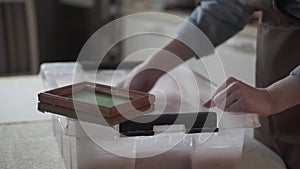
236 96
140 78
144 76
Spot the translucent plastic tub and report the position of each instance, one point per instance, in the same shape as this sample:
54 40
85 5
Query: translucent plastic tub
218 150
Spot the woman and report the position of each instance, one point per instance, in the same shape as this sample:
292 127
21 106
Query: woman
278 53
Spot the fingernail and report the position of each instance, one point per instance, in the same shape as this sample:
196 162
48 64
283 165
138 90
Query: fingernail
207 104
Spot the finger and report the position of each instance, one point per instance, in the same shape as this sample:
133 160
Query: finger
235 107
139 84
224 85
208 104
231 99
226 96
219 99
234 93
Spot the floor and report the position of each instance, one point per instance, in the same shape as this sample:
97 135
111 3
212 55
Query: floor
18 99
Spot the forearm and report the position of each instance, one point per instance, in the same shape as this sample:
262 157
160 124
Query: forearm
285 93
171 55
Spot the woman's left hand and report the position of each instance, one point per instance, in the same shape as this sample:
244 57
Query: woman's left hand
236 96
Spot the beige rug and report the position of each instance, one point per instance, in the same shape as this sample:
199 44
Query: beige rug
29 146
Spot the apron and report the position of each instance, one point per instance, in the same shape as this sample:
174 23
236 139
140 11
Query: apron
278 53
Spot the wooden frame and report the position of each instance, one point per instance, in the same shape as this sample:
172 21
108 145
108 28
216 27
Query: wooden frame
91 118
58 97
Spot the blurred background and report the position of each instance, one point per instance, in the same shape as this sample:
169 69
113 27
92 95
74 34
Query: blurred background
34 32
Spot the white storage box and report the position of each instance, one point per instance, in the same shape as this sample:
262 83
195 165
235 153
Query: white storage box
217 150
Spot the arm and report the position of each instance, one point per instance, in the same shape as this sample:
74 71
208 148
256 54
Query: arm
217 19
236 96
286 93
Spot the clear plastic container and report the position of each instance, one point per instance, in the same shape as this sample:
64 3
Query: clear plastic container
218 150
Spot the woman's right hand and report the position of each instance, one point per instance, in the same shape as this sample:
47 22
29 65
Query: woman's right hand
144 76
140 78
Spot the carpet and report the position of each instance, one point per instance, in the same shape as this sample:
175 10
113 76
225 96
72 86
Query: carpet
29 146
